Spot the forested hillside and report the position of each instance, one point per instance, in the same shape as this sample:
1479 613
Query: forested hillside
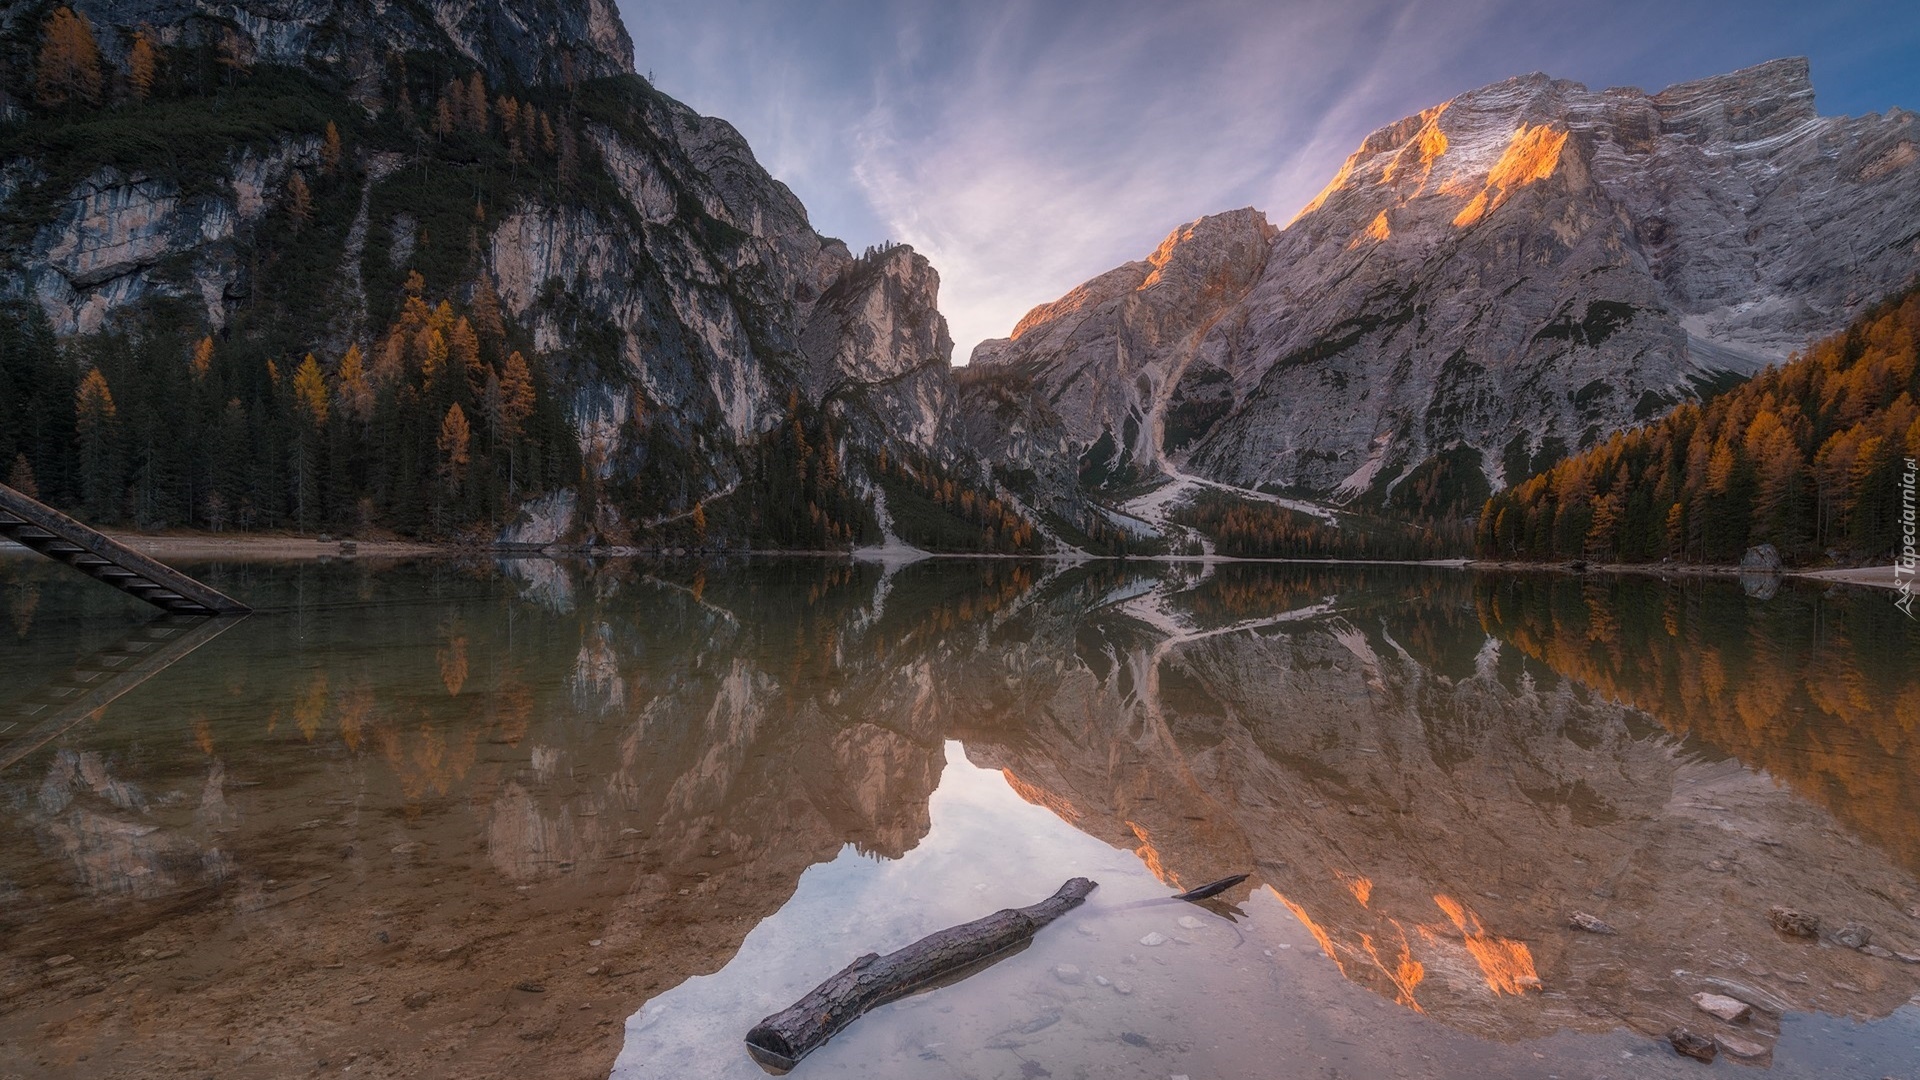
415 271
278 417
1808 457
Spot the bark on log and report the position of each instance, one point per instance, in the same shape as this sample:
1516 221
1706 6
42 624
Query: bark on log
781 1040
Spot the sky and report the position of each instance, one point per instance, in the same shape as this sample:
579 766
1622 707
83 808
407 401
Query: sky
1026 147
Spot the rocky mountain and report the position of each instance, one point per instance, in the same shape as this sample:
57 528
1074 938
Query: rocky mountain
1483 287
681 311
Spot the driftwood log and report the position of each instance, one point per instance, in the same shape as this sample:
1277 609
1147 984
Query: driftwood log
1212 888
781 1040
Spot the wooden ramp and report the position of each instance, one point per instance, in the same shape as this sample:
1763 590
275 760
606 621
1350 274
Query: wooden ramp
33 524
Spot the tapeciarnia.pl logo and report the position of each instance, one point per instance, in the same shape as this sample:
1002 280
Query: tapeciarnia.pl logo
1904 563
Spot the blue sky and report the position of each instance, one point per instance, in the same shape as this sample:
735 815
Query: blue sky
1025 147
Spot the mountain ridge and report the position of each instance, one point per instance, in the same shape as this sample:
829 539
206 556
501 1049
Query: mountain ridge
1504 277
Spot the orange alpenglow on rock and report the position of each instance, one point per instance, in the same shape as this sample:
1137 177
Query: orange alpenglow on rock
1424 149
1377 231
1506 963
1532 155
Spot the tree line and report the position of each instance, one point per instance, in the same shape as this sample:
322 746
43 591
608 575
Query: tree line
1806 456
444 427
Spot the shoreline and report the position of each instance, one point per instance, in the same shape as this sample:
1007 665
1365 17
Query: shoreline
263 547
282 547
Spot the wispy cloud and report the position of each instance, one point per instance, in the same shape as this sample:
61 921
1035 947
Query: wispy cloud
1027 146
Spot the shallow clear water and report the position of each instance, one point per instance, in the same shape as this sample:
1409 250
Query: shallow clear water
541 818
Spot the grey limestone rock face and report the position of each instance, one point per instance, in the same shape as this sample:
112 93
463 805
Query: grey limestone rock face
1529 266
704 278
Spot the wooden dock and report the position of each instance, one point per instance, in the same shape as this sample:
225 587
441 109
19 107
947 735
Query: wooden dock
35 525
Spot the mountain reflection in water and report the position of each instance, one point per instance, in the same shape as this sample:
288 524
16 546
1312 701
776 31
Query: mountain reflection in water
564 819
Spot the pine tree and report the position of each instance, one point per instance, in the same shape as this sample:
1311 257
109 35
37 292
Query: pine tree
68 68
143 62
20 477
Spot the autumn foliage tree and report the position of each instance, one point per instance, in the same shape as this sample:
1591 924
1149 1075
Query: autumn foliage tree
97 418
1806 456
143 64
68 69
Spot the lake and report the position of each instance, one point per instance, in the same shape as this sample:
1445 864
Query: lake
571 819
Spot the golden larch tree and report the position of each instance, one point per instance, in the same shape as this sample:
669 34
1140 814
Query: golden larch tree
299 200
143 63
516 393
463 349
310 392
330 149
202 357
487 320
68 68
355 393
476 100
455 444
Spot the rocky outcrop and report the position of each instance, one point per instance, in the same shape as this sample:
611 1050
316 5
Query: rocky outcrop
1507 275
1101 364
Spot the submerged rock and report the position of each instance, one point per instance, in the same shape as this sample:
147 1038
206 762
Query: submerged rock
1592 924
1693 1044
1732 1010
1853 936
1742 1048
1793 922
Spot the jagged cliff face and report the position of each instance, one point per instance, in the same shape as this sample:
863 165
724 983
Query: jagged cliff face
1528 266
677 292
1102 362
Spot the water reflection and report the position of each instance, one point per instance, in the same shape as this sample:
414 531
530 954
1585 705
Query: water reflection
467 819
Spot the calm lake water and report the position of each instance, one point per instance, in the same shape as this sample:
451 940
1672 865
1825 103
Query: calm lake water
536 818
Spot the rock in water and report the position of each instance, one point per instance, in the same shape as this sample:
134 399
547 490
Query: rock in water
1592 924
1793 922
1069 974
1732 1010
1154 940
1693 1044
1763 558
1742 1048
1853 935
